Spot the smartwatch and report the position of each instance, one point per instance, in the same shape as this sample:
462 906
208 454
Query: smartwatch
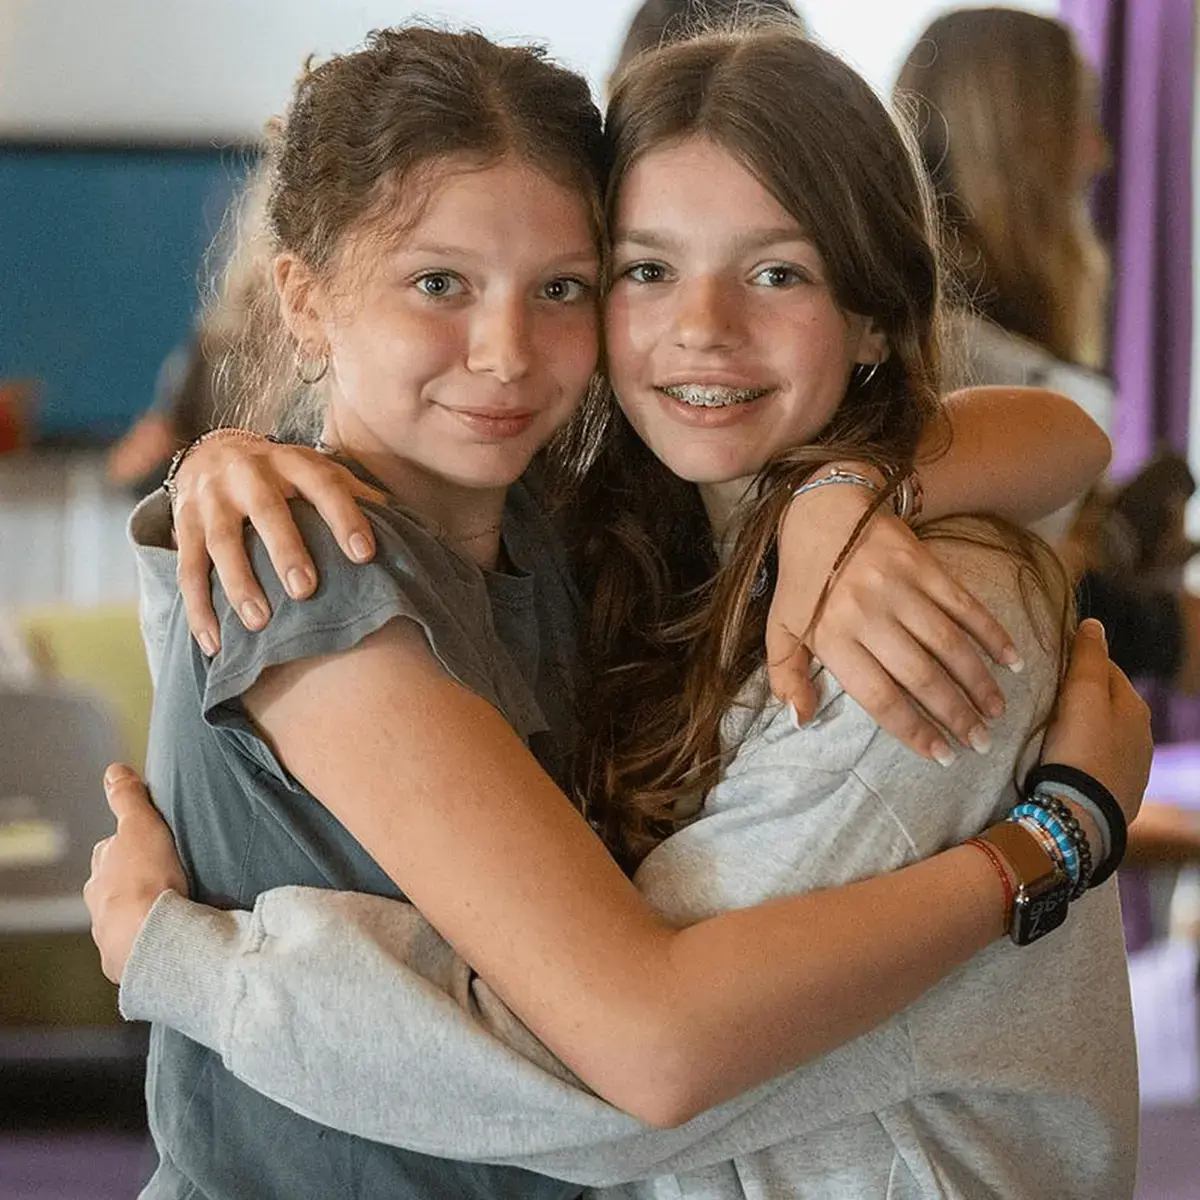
1043 890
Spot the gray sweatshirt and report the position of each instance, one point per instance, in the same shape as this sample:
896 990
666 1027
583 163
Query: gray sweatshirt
1014 1077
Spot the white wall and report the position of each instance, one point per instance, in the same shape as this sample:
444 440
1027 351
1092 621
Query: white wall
219 68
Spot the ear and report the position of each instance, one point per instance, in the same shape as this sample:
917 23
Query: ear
873 345
301 301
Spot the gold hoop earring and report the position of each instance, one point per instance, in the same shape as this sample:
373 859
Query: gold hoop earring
310 371
861 381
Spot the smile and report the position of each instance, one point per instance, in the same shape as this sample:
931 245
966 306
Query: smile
707 395
495 424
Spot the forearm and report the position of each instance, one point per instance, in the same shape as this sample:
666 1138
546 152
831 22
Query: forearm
351 1010
287 1004
1021 453
866 950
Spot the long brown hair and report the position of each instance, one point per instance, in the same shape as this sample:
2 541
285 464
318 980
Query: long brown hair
360 131
997 99
673 635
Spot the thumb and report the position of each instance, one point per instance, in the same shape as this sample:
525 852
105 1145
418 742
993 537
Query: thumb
1089 655
125 791
788 664
804 697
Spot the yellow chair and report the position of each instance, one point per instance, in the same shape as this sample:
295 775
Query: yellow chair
99 649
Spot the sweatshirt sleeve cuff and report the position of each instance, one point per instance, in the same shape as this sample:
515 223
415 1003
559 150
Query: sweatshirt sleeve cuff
182 968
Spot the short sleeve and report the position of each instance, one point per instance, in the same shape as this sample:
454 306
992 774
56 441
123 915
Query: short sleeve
411 577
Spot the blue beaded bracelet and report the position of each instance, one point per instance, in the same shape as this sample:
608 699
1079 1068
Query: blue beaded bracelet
1057 831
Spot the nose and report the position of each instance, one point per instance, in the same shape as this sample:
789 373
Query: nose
707 315
499 342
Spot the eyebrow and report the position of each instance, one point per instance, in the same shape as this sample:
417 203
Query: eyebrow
753 239
580 257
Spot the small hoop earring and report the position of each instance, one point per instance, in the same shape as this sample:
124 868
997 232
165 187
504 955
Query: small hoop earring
310 371
861 381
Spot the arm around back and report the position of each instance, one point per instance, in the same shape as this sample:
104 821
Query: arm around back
661 1022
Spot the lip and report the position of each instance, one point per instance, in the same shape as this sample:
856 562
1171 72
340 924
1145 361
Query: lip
495 423
728 379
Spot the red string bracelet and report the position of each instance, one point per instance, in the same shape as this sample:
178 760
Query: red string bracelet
997 861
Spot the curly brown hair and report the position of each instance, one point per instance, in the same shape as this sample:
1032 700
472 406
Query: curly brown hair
362 135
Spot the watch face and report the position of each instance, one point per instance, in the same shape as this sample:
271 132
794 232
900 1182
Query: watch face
1035 915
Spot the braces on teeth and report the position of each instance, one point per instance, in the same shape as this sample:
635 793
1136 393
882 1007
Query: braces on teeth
712 397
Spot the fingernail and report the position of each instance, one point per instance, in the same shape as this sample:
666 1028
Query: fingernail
1094 628
995 706
253 614
980 740
942 754
208 643
1011 659
299 582
360 548
795 715
114 773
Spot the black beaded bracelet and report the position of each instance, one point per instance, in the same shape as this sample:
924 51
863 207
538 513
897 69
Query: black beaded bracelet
1100 796
1060 810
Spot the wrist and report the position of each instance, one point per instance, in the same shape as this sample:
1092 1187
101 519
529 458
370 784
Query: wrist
907 495
171 481
998 879
850 466
1042 894
1079 790
834 490
1087 823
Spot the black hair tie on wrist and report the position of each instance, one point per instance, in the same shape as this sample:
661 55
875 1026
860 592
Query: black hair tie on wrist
1103 799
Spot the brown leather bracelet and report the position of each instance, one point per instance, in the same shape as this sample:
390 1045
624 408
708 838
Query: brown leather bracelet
1043 887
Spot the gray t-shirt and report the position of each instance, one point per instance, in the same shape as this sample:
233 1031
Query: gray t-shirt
245 825
1015 1077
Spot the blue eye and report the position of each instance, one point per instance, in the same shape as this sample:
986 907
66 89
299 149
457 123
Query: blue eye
645 272
439 284
565 291
779 276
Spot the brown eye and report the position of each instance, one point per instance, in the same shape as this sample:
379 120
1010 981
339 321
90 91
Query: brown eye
646 272
563 291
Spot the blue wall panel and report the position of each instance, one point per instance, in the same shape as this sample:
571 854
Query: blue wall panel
101 251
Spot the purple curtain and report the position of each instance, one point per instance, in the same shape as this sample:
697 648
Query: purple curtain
1144 51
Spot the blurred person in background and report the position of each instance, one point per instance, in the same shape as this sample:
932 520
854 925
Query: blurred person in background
661 22
1005 113
193 392
1004 110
